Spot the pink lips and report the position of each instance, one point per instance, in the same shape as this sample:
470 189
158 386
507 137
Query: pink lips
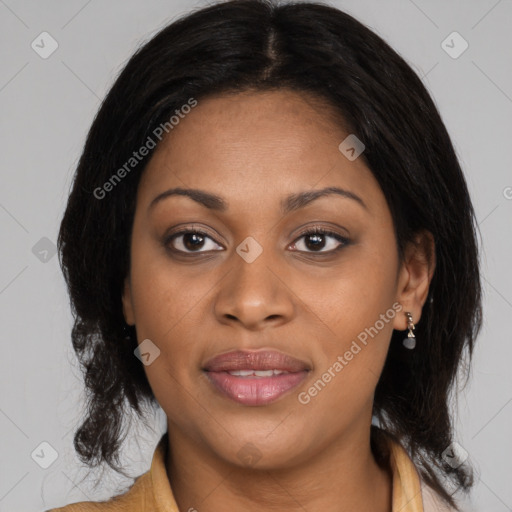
254 389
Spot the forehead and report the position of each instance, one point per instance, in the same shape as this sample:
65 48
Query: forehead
253 147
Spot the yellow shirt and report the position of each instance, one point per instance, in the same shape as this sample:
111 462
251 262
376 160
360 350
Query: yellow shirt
152 491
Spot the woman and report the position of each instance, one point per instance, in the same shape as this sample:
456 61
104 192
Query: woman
269 236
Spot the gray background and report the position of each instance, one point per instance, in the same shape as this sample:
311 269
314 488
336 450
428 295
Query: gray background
47 106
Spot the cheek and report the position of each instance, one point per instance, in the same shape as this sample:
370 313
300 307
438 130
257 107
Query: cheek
356 308
361 288
167 302
164 294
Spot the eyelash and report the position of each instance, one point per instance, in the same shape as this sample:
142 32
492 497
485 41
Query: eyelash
316 230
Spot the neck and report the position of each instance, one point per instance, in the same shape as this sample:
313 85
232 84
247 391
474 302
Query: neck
341 478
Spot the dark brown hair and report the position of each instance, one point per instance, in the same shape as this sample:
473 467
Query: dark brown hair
263 45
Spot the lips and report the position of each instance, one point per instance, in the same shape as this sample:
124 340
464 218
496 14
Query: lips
260 360
255 378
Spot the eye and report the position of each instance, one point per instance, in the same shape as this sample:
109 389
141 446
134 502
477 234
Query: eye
315 240
319 240
189 241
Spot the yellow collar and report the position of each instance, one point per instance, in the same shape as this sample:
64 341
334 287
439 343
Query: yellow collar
406 481
152 491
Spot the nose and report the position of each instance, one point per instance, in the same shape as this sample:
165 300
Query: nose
254 295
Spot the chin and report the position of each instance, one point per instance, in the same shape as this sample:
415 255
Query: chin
263 451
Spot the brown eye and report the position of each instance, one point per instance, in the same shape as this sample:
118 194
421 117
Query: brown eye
320 240
315 242
192 241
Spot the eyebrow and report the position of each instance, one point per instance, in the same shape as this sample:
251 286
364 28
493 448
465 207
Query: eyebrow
289 204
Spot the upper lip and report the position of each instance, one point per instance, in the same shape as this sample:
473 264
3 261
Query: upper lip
255 360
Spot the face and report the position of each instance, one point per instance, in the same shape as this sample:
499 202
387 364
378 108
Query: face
269 264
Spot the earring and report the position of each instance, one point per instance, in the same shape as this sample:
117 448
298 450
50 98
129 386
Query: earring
410 341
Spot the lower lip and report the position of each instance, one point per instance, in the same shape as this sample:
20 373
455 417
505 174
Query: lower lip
255 390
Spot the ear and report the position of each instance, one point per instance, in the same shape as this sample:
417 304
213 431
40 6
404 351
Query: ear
127 303
414 277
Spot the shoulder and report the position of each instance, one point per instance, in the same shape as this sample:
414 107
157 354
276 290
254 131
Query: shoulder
410 491
133 500
432 502
147 491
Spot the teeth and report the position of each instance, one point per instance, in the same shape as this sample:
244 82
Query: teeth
256 373
243 373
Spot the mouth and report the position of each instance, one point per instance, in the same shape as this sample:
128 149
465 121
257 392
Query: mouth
255 378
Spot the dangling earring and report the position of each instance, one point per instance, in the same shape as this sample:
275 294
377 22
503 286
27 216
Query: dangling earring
410 341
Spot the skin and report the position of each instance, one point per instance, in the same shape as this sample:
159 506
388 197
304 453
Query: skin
253 149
